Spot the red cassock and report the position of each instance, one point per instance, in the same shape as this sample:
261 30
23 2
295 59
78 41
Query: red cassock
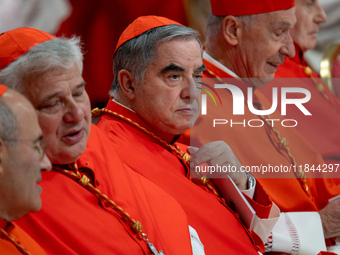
21 237
73 221
321 129
218 228
260 147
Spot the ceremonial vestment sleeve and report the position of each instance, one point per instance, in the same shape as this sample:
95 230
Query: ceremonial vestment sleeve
293 232
297 233
288 232
267 212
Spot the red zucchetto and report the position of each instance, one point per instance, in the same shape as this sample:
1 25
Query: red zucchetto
17 42
248 7
141 25
2 89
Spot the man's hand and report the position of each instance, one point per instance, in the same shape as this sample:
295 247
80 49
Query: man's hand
219 154
330 219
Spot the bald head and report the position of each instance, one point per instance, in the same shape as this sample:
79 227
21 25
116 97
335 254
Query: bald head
19 105
15 112
8 120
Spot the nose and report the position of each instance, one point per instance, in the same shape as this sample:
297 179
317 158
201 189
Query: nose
321 16
190 91
45 164
74 112
288 47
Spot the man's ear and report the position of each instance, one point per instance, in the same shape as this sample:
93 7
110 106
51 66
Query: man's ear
126 82
231 27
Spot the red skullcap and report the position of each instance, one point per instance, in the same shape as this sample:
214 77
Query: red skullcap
141 25
248 7
2 89
17 42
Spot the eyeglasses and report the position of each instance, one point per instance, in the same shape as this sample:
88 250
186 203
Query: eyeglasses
39 144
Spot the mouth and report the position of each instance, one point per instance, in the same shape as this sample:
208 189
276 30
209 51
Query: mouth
73 136
314 33
38 186
38 180
273 66
189 110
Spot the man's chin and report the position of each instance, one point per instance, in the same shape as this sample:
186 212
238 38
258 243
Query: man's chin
64 160
66 157
193 120
261 82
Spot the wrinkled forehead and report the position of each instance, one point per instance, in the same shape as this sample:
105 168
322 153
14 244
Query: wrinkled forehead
278 19
175 47
287 16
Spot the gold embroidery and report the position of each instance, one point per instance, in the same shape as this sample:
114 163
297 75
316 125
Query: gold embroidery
319 87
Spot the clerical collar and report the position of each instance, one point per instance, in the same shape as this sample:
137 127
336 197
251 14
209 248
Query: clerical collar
219 65
122 105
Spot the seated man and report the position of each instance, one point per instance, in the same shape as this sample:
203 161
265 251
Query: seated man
156 63
92 203
321 129
244 47
22 159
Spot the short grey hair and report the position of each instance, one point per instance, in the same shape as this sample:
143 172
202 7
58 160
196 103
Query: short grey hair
48 55
8 122
135 54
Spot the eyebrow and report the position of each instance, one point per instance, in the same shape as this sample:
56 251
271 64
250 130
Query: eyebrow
201 68
49 97
284 24
39 139
172 67
82 84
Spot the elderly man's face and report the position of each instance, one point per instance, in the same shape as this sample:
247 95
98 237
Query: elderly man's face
163 98
22 161
309 15
64 112
264 45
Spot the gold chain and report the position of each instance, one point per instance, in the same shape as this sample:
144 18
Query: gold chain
15 242
283 144
185 156
84 181
319 87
